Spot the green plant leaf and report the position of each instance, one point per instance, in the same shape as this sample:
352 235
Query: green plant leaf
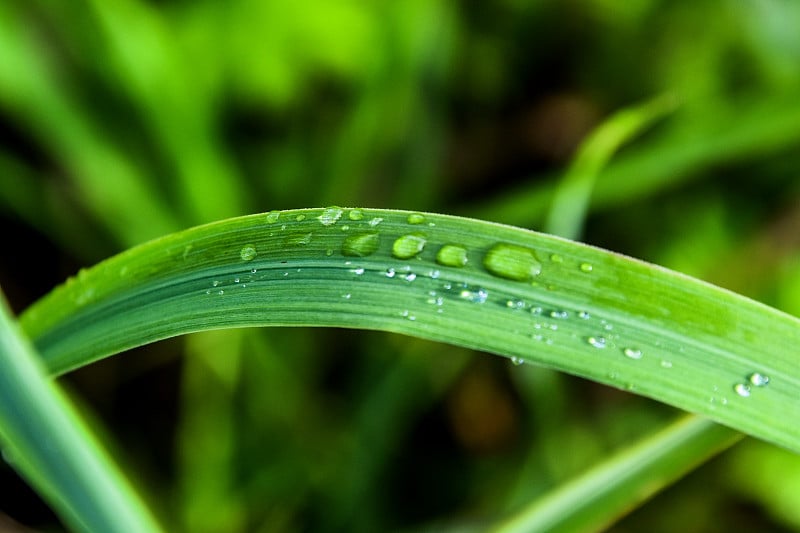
533 297
45 440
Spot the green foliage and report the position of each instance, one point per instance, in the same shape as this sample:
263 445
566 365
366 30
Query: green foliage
128 120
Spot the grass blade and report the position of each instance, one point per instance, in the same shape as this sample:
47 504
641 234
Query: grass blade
609 490
522 294
46 442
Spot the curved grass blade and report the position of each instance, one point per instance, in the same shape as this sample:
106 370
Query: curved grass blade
43 438
596 499
514 292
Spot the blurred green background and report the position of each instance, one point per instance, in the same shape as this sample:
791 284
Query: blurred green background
124 120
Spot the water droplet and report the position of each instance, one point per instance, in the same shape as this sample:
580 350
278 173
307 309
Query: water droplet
515 304
452 255
298 239
536 310
434 274
253 271
375 221
346 296
632 353
416 218
476 296
560 314
390 272
517 361
666 364
221 292
555 258
586 267
758 380
355 214
408 246
345 227
584 315
357 271
410 276
597 342
273 216
330 215
301 217
248 252
408 315
361 244
512 262
215 283
236 280
742 389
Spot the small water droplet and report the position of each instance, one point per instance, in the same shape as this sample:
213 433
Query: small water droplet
248 252
221 292
355 214
515 304
536 310
586 267
273 216
452 255
390 272
346 296
742 389
597 342
253 271
408 246
236 280
330 215
375 221
416 218
407 314
560 314
476 296
434 274
758 379
345 227
410 276
584 315
512 262
301 217
666 364
517 361
555 258
298 239
632 353
361 244
357 271
215 283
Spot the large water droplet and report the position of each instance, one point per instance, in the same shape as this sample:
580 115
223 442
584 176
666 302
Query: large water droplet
408 246
452 255
361 244
512 262
758 379
248 252
273 216
355 214
742 389
330 215
416 218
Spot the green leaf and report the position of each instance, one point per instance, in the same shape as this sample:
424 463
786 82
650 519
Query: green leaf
43 438
579 309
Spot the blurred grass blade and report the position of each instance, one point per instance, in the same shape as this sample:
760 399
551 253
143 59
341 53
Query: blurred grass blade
506 290
605 493
572 194
43 438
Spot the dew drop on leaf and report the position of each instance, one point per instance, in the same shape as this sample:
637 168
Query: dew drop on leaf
512 262
416 218
597 342
758 379
452 255
273 216
586 267
517 361
330 215
632 353
248 252
361 244
475 296
408 246
355 214
742 389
